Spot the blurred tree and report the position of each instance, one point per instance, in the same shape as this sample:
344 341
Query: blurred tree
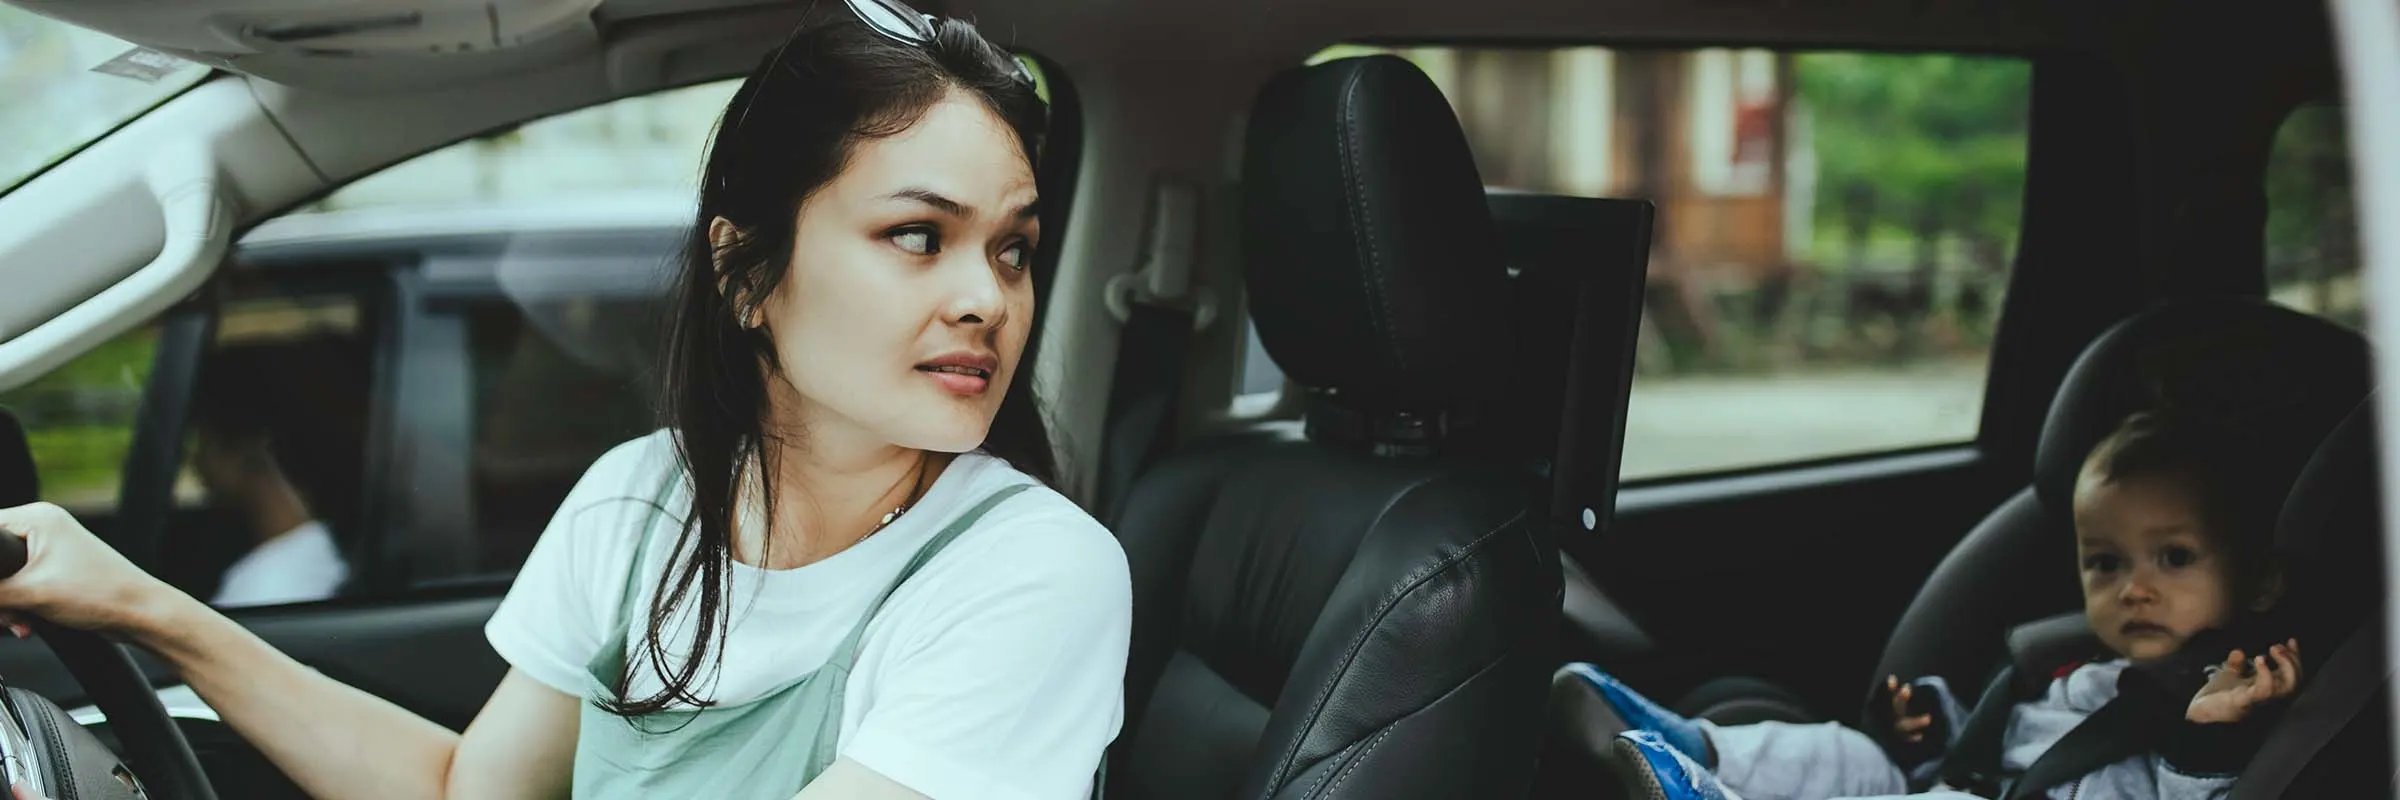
1928 150
2312 230
1934 143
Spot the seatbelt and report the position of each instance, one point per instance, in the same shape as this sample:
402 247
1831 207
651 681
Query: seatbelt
1973 763
2342 687
2122 728
2034 648
1153 346
1141 398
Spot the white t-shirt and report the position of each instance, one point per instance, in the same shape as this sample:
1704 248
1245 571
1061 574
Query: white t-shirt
996 671
298 566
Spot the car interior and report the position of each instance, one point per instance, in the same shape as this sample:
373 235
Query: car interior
1414 351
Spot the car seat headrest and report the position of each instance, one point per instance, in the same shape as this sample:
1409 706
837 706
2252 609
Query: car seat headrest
2330 535
1374 271
2282 378
2038 647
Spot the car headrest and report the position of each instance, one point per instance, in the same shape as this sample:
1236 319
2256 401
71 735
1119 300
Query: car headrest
1374 272
2037 648
2330 535
2283 378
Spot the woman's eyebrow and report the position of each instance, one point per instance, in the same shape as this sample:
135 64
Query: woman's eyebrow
1031 210
936 200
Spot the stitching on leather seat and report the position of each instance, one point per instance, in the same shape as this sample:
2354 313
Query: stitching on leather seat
56 746
1361 758
1362 219
1320 781
1350 654
1352 764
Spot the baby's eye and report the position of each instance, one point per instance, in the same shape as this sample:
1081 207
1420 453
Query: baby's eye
2177 557
920 241
2100 562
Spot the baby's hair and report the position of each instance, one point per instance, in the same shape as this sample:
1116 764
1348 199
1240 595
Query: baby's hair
2217 466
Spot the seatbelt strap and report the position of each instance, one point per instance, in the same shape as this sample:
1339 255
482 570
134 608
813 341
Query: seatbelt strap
2342 687
1973 763
1141 398
1152 347
2122 728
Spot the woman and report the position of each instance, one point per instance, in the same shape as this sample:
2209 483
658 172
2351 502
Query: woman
835 573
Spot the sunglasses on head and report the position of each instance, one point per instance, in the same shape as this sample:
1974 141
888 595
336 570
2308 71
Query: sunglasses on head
896 21
892 20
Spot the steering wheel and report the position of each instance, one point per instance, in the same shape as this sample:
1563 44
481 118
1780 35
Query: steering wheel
43 748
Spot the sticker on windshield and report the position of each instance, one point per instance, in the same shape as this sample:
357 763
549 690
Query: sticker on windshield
142 64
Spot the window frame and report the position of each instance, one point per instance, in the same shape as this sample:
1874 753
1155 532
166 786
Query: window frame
1996 429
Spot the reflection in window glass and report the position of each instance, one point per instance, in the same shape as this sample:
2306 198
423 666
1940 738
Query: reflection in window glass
2312 222
644 149
555 382
1834 230
277 454
55 102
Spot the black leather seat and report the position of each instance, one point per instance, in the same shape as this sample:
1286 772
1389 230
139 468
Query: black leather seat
1359 609
2335 739
2285 377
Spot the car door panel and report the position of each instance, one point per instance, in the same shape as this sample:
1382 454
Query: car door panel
1796 576
427 656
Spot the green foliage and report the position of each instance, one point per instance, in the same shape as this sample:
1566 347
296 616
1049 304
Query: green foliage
2309 203
79 418
1944 133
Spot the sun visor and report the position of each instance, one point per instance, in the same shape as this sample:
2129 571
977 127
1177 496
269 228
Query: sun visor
237 28
349 46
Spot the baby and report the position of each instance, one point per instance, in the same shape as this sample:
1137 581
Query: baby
2171 544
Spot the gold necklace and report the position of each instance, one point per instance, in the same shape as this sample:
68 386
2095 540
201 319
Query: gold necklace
914 493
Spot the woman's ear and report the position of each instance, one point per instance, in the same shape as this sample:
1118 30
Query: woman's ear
723 236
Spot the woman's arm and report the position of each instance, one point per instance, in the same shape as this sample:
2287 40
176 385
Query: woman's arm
340 743
335 741
850 780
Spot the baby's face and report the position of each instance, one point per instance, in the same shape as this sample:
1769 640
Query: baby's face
2151 577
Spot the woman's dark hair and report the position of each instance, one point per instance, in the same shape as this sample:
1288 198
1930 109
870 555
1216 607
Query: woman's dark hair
789 130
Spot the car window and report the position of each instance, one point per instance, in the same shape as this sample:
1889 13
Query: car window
272 498
2312 219
528 270
558 372
79 422
58 102
1834 231
517 359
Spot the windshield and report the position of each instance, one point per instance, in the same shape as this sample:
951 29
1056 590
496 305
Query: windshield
52 103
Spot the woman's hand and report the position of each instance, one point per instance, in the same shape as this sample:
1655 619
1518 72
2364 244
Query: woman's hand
2234 692
74 579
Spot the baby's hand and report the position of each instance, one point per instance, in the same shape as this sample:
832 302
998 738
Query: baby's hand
1904 727
2238 687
